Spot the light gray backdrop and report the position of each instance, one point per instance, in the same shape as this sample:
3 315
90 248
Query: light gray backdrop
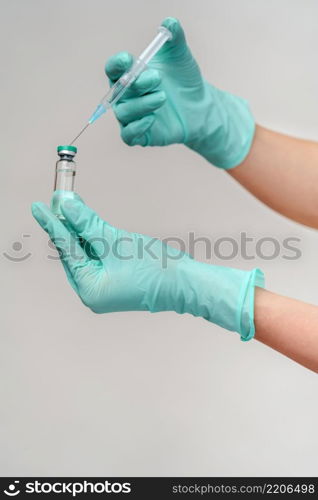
135 393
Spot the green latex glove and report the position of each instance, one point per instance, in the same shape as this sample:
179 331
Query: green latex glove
114 270
172 103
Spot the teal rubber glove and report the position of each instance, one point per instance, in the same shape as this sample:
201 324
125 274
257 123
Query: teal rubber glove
172 103
114 270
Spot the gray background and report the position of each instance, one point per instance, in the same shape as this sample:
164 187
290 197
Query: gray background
135 393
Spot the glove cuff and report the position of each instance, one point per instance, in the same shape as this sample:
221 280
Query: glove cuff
222 295
247 301
227 129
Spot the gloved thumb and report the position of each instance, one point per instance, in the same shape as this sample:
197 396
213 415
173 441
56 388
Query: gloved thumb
59 195
85 222
178 40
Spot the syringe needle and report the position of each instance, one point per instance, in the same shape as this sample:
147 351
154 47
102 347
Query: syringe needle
83 129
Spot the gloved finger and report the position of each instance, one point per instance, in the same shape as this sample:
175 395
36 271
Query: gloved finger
132 132
98 234
71 253
138 107
148 81
117 65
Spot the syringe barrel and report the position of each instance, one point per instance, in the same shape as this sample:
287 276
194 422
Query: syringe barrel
141 62
130 76
162 37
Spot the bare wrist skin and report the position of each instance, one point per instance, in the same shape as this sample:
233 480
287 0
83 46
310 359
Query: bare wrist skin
288 326
277 160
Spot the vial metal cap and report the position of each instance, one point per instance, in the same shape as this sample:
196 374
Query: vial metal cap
67 150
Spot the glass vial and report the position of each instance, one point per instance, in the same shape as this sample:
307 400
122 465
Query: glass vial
65 172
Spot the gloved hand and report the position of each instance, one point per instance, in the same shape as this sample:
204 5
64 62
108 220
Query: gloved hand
114 270
172 103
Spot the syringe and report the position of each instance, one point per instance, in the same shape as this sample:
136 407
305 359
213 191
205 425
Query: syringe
119 88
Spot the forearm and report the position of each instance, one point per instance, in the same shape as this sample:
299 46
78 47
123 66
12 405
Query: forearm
288 326
282 172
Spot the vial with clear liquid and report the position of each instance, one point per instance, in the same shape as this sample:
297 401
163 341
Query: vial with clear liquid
65 172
